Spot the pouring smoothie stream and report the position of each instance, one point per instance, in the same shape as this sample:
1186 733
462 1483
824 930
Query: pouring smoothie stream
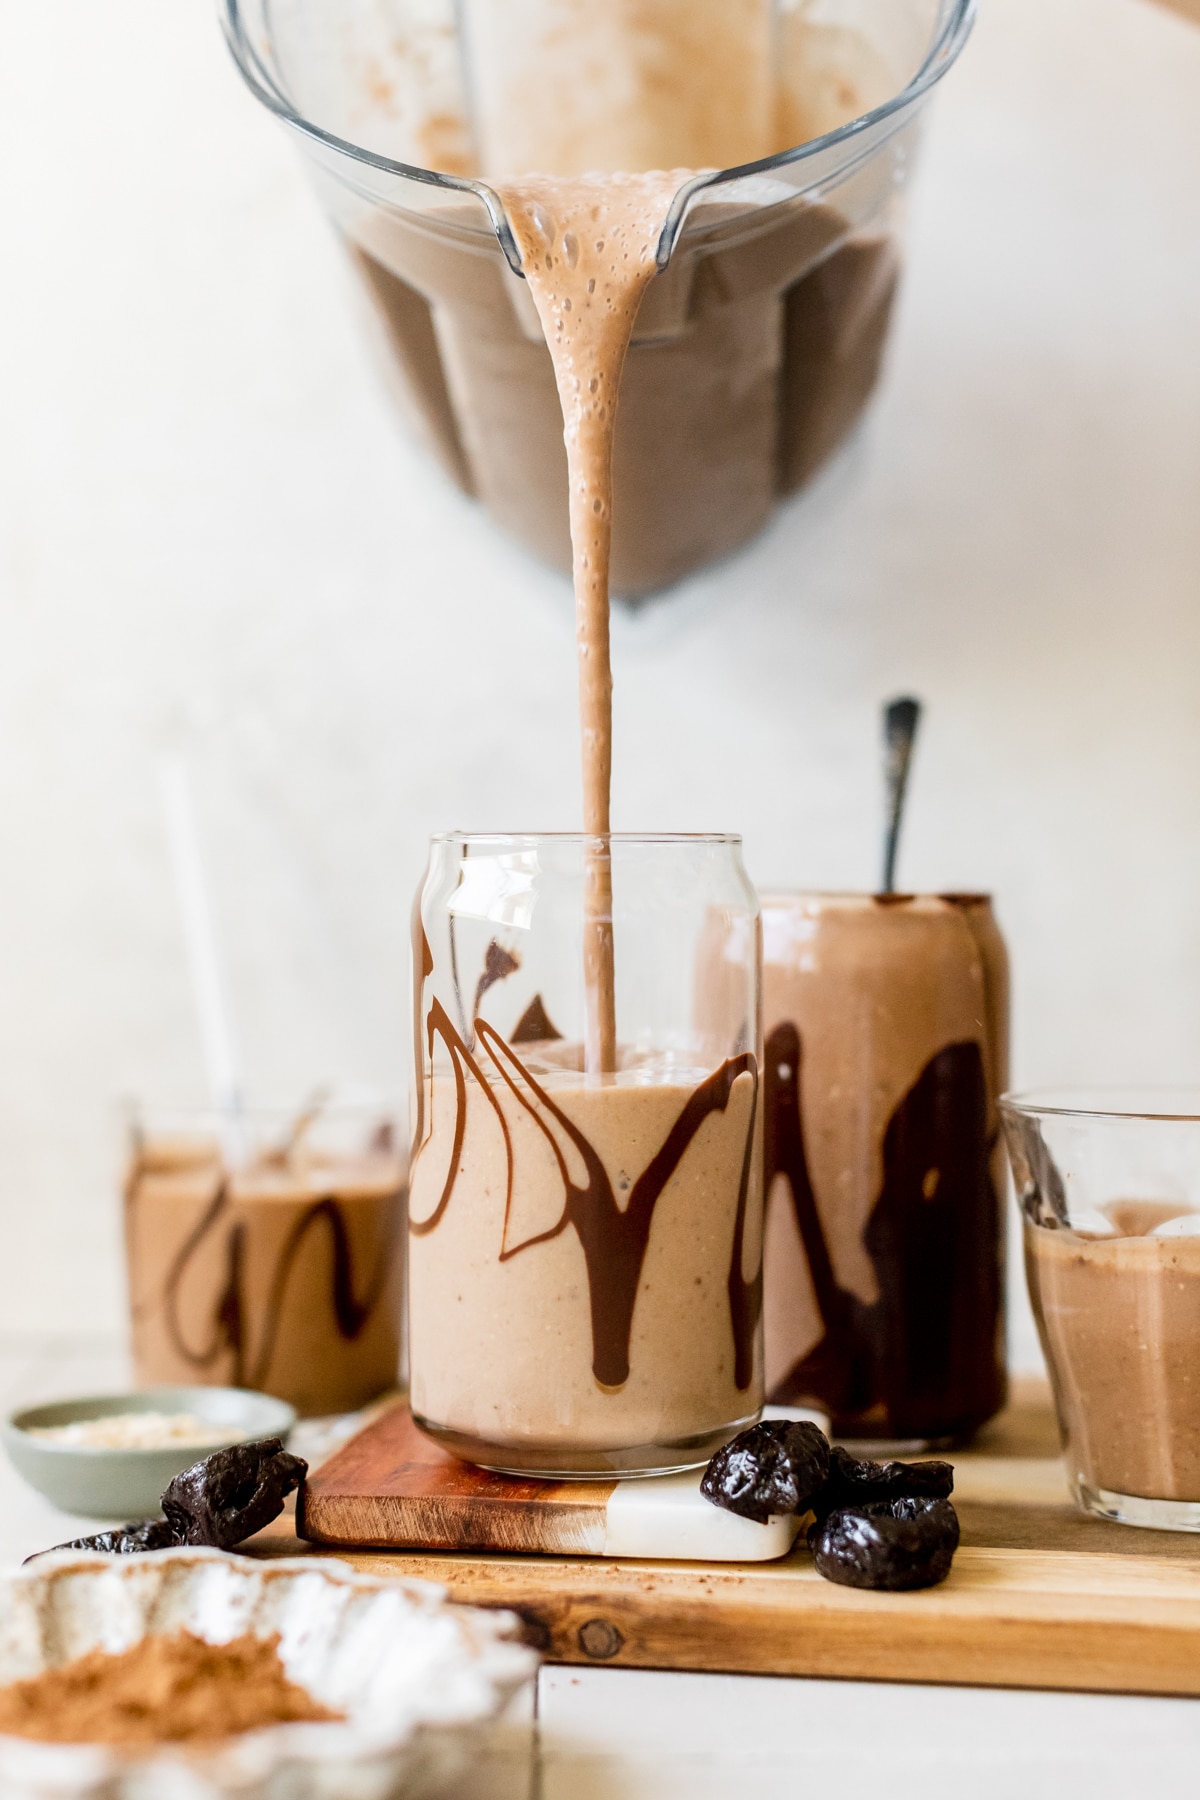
650 1303
588 246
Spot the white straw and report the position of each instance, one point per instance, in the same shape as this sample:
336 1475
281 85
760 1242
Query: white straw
217 1035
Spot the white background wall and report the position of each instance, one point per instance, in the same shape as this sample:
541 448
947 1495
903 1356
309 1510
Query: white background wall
213 537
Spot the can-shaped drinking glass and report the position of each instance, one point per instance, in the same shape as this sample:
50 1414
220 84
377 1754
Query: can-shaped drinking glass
886 1019
585 1233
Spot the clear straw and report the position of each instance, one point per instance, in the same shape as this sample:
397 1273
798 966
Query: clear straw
218 1038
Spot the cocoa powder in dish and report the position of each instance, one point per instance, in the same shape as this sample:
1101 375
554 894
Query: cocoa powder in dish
176 1689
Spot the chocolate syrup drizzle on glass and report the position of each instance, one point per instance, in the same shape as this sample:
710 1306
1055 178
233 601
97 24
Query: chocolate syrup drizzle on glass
229 1331
925 1357
614 1241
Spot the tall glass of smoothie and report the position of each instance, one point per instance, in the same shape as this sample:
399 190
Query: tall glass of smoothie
585 1241
273 1261
1109 1186
886 1025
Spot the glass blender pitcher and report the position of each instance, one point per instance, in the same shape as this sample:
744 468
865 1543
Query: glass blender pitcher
760 339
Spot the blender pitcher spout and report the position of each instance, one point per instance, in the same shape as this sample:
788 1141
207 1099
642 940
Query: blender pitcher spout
791 124
450 95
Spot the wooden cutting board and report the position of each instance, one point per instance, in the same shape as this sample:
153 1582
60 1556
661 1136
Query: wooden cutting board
390 1488
1039 1596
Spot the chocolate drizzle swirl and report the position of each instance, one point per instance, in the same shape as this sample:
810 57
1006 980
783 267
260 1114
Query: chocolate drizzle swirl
924 1358
498 965
228 1328
534 1025
614 1241
226 1317
422 957
837 1371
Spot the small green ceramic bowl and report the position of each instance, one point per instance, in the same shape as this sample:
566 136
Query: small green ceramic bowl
101 1482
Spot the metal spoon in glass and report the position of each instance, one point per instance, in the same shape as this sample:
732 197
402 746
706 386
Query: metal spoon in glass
900 721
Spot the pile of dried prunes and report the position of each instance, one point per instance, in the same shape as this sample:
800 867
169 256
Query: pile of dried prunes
883 1525
219 1502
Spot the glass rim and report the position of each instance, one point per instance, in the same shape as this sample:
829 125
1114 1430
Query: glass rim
1165 1105
948 40
526 839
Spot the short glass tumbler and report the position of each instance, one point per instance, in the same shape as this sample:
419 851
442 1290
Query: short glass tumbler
1109 1186
585 1247
267 1253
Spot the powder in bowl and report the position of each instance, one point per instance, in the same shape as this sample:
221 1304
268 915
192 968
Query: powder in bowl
176 1689
130 1431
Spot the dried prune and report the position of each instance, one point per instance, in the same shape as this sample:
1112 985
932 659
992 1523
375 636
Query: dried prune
891 1545
856 1484
227 1497
774 1467
232 1494
123 1540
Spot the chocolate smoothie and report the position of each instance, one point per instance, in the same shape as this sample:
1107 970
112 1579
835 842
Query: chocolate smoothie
583 1290
283 1274
1119 1318
886 1025
758 345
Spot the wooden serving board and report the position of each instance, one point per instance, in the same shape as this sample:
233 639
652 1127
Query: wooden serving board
390 1488
1039 1595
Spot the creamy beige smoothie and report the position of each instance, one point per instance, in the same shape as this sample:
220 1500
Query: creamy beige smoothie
584 1261
1119 1318
886 1028
281 1275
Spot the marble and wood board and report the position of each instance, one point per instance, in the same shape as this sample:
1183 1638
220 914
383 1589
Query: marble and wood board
391 1488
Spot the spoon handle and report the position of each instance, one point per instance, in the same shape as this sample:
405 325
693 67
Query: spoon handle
900 720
